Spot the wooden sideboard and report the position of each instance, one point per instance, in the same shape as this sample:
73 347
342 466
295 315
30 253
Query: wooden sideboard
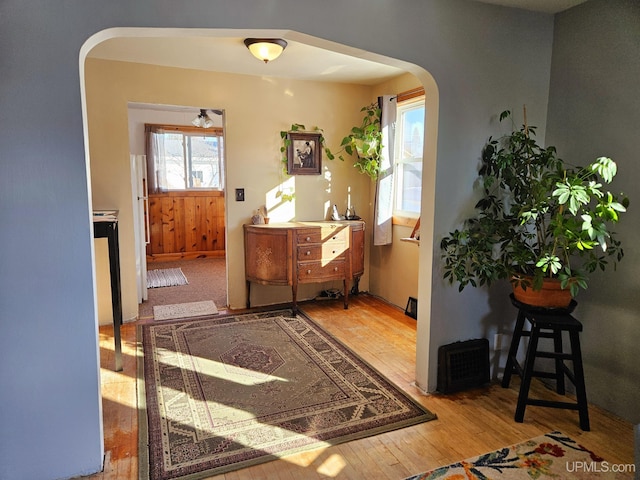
303 252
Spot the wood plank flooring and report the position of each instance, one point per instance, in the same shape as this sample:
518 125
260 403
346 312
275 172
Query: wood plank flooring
469 423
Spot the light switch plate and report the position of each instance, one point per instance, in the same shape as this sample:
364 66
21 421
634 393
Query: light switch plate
239 194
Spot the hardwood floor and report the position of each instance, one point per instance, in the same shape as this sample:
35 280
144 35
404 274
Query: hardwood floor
469 423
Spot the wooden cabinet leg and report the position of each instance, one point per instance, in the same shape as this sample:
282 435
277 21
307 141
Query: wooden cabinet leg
294 294
345 283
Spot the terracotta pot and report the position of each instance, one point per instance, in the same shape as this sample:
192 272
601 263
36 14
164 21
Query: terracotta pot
552 295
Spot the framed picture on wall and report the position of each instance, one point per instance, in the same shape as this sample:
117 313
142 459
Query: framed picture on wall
304 153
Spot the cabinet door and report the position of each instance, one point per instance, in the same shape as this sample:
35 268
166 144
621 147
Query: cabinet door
268 255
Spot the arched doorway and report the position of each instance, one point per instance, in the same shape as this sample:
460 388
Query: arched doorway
342 55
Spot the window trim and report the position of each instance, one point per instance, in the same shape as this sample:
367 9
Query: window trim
410 95
217 131
407 219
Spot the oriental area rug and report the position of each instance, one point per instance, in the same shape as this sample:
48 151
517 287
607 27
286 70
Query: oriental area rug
551 456
231 391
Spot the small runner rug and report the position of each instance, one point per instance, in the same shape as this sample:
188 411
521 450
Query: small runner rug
184 310
232 391
165 277
553 455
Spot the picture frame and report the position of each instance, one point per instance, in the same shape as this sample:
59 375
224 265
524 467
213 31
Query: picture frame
304 153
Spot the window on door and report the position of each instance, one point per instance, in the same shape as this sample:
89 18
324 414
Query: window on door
185 158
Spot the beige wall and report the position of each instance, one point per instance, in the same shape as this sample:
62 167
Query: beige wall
256 110
393 269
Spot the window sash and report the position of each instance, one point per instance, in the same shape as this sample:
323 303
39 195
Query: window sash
180 157
409 150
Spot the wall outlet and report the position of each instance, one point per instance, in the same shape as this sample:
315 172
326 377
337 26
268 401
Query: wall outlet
239 194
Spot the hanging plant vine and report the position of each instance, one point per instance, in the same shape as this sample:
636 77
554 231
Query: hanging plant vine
365 141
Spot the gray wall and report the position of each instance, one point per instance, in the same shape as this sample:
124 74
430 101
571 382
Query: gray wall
506 66
484 59
594 110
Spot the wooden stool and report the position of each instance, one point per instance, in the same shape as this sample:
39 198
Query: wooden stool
547 323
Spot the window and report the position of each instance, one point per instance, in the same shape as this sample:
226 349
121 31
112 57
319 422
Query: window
185 158
409 145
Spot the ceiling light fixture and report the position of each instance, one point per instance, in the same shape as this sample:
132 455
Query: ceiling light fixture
265 49
202 120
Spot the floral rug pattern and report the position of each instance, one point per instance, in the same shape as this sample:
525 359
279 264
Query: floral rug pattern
553 455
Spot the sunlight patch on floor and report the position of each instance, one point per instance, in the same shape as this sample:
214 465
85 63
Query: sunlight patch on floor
332 466
221 370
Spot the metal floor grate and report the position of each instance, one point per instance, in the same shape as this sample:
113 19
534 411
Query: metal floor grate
463 365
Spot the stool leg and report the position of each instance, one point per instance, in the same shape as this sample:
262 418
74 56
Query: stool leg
557 347
527 374
578 372
513 350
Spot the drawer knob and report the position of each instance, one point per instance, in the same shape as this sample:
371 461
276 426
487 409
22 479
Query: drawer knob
308 253
335 269
334 238
308 272
308 239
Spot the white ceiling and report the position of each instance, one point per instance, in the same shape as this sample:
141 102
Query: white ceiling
300 60
228 54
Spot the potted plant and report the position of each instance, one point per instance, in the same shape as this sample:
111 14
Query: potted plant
538 221
365 141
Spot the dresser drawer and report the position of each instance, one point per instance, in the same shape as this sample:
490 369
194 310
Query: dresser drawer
317 235
326 251
310 272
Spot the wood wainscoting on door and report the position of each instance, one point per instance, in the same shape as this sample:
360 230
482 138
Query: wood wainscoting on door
186 224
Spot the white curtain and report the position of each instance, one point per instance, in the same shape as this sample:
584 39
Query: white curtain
156 168
383 212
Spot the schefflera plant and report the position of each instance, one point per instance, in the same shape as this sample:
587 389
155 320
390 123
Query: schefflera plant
538 218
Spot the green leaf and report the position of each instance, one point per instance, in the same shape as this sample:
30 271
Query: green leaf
605 167
562 192
617 207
